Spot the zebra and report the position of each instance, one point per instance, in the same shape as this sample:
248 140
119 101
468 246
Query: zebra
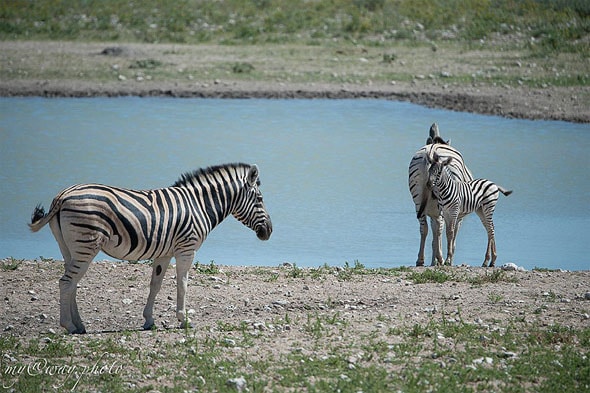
458 198
155 224
425 203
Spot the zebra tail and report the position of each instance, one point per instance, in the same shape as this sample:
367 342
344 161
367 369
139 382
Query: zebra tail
504 191
39 218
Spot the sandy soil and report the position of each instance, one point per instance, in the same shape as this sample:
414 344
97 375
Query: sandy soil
111 298
72 69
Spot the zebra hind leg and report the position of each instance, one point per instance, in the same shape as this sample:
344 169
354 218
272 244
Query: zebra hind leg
159 271
69 317
488 223
423 235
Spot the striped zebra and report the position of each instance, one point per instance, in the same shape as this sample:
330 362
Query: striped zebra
458 198
148 225
426 204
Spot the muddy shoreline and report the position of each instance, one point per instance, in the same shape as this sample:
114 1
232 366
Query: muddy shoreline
74 69
486 103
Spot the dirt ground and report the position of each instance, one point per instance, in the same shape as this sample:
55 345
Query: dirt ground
112 295
440 80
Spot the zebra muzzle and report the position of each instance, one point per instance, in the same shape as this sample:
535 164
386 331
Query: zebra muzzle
264 230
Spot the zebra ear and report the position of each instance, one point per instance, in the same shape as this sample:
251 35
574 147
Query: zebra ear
252 176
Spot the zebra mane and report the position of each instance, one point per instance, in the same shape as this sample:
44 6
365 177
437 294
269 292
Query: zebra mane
187 177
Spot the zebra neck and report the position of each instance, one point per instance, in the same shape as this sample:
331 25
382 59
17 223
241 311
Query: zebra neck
214 201
447 184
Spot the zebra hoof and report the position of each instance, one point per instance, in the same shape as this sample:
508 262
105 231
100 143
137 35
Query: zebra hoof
149 326
73 329
186 325
81 330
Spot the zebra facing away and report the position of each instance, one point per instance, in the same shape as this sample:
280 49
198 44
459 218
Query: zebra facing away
426 204
459 198
153 224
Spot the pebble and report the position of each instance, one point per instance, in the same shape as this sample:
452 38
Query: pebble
230 342
508 354
587 296
237 383
487 360
512 267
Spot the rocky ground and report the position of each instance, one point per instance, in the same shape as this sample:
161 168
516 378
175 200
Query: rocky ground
111 296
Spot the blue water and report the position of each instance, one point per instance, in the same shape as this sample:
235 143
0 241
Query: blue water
334 174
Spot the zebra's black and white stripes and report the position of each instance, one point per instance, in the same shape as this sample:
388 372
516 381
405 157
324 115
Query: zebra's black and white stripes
425 203
458 198
150 224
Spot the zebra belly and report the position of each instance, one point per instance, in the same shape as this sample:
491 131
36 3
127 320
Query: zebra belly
117 250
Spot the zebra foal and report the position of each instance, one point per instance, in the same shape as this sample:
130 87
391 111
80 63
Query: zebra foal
458 198
426 204
153 224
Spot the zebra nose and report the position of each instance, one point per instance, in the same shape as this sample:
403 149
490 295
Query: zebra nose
264 230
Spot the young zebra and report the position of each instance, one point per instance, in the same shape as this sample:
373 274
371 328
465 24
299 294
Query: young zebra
458 198
151 224
426 204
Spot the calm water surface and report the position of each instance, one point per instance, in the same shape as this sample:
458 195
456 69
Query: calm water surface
334 174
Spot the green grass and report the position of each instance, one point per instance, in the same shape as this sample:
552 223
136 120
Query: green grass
437 356
10 264
436 275
555 26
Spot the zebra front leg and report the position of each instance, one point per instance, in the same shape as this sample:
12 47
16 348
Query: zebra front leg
456 232
451 234
69 317
183 264
158 272
437 228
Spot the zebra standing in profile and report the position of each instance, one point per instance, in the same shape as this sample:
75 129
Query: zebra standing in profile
151 224
458 198
426 204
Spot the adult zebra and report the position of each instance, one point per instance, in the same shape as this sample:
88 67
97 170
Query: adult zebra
426 204
150 224
458 198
